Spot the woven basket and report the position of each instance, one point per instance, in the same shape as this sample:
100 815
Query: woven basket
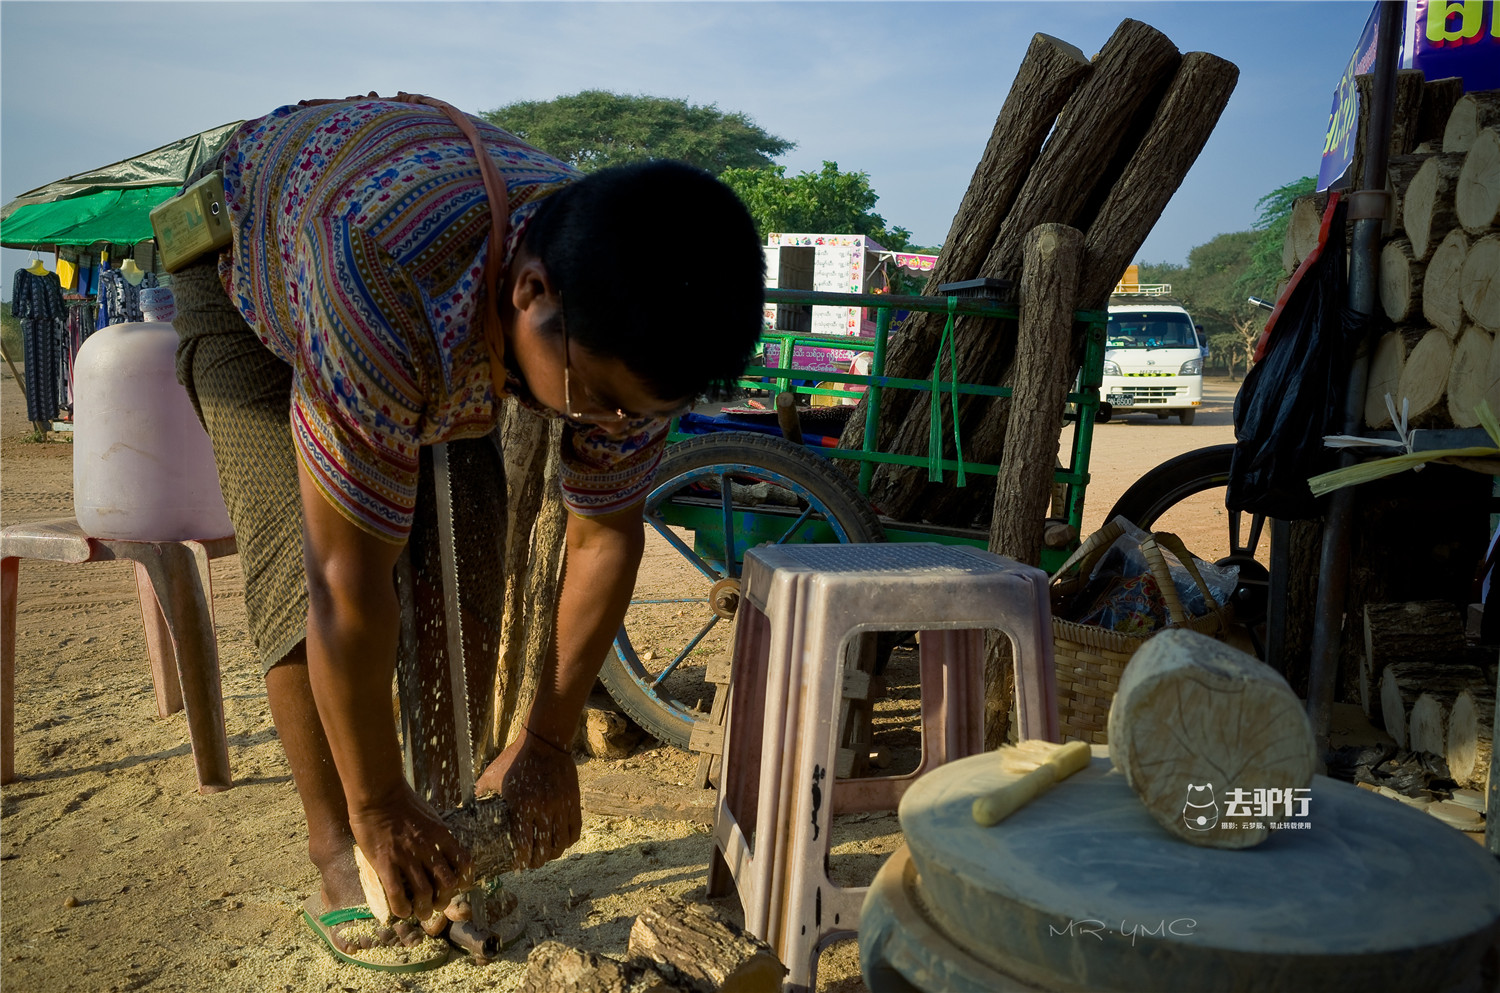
1090 659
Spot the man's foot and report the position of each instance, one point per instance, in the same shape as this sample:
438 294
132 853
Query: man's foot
354 936
341 889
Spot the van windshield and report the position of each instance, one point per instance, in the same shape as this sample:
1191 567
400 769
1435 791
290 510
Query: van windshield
1150 329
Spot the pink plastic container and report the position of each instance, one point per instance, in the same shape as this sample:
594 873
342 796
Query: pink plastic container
143 468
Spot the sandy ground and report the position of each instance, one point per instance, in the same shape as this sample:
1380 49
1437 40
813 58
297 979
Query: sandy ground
178 891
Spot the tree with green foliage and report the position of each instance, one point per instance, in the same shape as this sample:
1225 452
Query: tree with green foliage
1275 210
596 128
829 200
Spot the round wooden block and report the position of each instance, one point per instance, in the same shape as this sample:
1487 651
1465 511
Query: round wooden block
1081 889
1197 725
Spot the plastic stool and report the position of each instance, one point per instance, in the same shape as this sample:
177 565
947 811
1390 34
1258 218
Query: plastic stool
172 579
800 606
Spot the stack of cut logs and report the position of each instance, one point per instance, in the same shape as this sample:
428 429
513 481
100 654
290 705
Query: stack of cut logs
1417 681
1440 264
1099 145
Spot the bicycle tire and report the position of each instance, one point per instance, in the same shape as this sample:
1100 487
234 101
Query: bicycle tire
811 478
1172 482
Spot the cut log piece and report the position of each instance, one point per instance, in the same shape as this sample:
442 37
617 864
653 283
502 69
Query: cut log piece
1492 393
1386 363
1441 304
1422 630
553 967
1479 283
1471 114
1424 380
1471 736
1476 198
702 951
1439 96
1469 376
1403 682
1193 720
1078 161
1427 208
1400 281
1049 74
1399 174
1427 724
1303 225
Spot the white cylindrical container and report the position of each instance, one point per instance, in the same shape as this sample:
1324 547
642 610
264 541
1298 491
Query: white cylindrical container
143 468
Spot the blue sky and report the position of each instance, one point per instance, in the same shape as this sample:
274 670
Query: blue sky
907 92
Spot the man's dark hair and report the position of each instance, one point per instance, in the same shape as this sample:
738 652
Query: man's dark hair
659 265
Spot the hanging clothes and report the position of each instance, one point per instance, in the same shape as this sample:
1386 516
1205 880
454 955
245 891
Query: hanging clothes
119 299
76 330
36 300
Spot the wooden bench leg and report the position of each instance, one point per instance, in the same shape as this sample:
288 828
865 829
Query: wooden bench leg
10 569
177 572
159 647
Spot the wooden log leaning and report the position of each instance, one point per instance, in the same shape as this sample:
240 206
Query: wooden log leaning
1179 129
1078 159
1472 113
1194 717
1023 488
1049 291
1400 281
1469 379
1427 208
1425 630
1182 125
1471 735
1048 75
1442 304
1476 197
1479 283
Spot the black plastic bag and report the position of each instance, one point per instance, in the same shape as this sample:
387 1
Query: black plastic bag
1294 395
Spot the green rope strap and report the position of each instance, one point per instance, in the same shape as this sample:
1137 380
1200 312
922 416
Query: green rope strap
935 420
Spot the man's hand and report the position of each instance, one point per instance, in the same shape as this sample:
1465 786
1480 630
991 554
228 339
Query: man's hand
420 864
539 783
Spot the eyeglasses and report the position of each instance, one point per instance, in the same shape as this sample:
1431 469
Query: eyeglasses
604 417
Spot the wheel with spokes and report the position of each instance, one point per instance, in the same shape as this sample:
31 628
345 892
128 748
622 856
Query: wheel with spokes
716 496
1188 492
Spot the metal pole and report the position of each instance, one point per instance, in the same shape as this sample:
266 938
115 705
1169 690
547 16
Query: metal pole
1364 263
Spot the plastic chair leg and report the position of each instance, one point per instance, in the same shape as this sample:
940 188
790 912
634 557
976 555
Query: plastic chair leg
177 574
10 569
159 647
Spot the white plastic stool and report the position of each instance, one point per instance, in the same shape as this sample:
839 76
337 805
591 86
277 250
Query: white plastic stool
800 606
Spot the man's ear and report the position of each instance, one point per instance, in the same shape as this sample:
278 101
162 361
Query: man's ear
530 283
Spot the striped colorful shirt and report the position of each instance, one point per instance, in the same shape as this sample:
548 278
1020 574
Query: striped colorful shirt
359 243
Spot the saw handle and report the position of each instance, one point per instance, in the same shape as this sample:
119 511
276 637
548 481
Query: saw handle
995 806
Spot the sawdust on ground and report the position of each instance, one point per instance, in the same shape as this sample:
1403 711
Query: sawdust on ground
176 891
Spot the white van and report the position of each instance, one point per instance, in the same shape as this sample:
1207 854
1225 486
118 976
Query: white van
1153 361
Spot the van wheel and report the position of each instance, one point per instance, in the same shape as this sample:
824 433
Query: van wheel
1103 414
1187 416
1161 415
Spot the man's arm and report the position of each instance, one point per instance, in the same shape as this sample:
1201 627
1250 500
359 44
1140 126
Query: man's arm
536 773
353 625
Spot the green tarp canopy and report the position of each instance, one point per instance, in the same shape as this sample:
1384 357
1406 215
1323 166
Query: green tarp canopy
110 204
